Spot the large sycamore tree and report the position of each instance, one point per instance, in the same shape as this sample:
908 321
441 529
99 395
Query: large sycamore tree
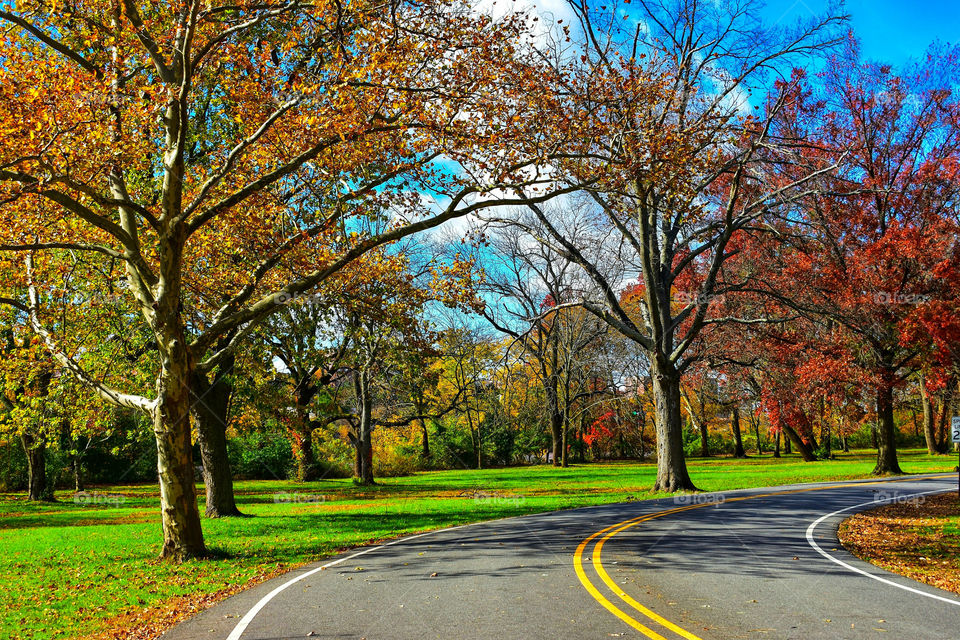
210 159
673 104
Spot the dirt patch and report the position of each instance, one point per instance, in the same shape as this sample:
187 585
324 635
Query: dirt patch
919 539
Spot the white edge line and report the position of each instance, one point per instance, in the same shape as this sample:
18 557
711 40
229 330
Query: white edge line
843 564
252 613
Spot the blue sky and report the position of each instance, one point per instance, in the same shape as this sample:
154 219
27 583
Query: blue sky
891 30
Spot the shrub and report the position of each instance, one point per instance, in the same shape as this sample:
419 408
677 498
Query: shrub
334 455
13 466
260 455
716 443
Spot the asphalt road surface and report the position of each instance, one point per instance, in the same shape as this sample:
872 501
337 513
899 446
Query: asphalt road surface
761 563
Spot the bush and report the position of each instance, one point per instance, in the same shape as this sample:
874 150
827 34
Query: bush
453 448
130 457
260 455
502 440
13 466
393 463
717 444
334 456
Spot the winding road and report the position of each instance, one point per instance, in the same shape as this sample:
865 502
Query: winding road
759 563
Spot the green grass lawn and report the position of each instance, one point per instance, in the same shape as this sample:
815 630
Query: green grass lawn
69 567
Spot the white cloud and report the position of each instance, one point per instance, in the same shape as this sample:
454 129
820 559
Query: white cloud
548 13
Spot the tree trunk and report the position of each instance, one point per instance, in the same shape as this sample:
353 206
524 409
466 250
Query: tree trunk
74 460
425 440
479 443
738 451
887 449
581 445
671 467
643 451
363 473
700 426
943 430
802 447
182 531
307 469
180 516
776 445
77 469
929 419
704 440
825 434
786 446
36 450
756 432
210 407
564 462
306 460
556 432
357 456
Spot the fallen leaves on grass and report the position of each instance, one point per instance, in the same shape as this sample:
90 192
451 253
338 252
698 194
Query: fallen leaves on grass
150 622
916 540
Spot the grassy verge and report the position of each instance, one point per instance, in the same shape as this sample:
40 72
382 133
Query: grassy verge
88 567
917 539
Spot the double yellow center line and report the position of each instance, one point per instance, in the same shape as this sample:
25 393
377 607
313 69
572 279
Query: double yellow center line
605 534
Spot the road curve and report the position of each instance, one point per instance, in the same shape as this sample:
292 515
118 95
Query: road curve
760 563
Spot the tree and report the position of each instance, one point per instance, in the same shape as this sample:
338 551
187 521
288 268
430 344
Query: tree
310 357
260 105
935 405
529 281
44 408
701 396
27 377
364 342
868 245
467 367
673 167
